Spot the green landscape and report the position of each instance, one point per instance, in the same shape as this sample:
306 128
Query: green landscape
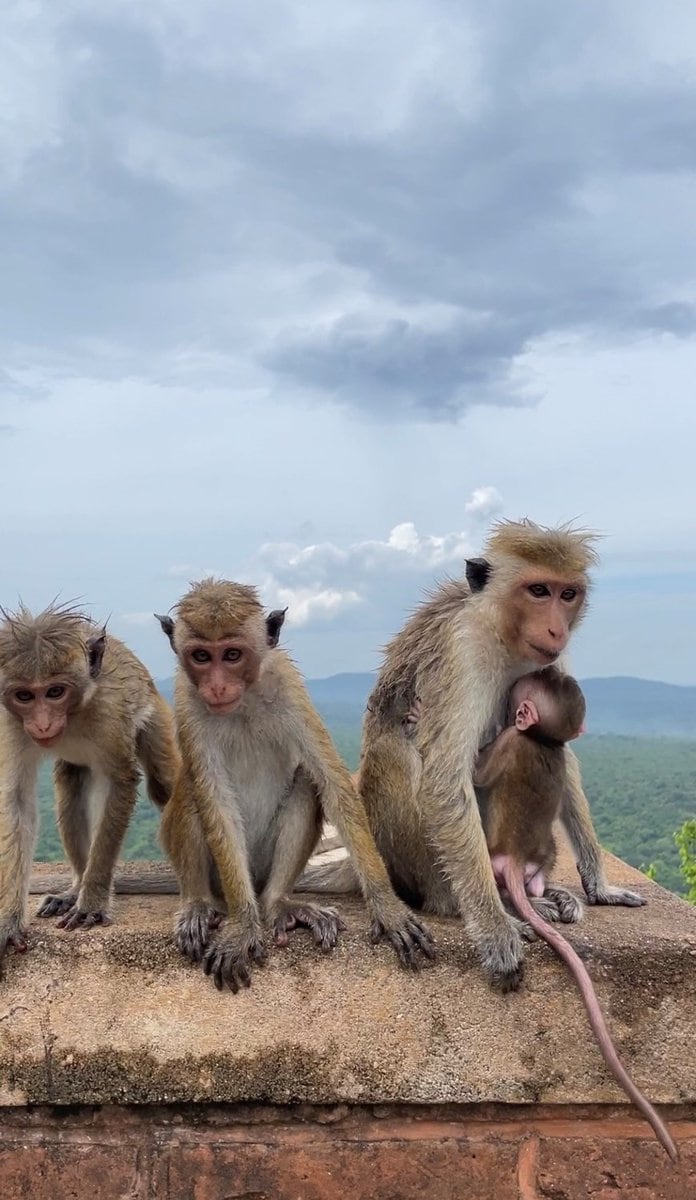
641 790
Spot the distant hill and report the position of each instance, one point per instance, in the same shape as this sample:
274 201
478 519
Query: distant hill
620 704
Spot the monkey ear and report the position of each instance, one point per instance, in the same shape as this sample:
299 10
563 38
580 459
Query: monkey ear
96 645
527 715
477 573
167 627
274 624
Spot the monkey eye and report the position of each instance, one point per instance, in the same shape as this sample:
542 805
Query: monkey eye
232 655
56 691
538 590
23 696
200 656
569 594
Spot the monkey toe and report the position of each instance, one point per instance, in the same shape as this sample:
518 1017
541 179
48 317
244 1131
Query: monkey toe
15 938
54 906
410 939
509 981
567 907
325 925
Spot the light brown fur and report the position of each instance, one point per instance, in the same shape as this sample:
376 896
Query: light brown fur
254 785
458 656
115 721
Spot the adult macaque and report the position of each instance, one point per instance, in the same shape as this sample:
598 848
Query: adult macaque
457 658
71 692
259 771
524 773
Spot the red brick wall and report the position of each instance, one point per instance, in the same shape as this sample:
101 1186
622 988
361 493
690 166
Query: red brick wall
202 1152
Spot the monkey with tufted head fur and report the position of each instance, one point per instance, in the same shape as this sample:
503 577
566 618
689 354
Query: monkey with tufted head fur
452 665
259 770
523 772
83 698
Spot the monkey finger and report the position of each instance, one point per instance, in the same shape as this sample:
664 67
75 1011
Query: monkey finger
423 938
76 918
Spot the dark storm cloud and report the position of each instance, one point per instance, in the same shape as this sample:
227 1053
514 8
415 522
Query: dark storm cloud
387 212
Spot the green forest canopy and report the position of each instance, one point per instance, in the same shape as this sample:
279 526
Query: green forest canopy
641 791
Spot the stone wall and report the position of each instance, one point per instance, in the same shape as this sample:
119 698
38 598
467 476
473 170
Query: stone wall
123 1073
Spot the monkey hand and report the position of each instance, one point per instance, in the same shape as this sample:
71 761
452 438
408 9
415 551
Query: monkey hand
408 935
325 923
56 905
230 959
599 892
90 908
12 933
193 926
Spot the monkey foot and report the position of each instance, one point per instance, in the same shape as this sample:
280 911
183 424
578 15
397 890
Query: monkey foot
230 960
613 895
409 936
193 927
11 934
501 956
80 918
325 924
54 906
563 906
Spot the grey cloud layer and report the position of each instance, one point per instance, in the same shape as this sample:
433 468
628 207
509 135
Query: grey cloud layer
384 206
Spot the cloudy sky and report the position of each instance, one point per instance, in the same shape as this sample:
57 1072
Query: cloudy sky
306 294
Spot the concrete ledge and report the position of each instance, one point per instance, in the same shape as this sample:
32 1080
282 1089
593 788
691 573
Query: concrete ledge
115 1016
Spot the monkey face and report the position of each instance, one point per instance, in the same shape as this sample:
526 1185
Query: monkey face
546 609
43 708
221 671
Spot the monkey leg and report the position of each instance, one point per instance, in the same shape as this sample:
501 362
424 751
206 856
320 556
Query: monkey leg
575 814
183 839
158 753
18 825
388 784
391 920
71 785
93 900
299 825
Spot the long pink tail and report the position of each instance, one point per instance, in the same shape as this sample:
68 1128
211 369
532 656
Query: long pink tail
514 883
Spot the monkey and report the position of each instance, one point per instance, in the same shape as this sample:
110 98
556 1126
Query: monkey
83 698
258 773
524 773
459 654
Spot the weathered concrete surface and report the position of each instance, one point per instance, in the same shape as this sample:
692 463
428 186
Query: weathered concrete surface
115 1016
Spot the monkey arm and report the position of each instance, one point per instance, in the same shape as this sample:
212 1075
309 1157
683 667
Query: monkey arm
577 821
93 899
239 945
184 841
493 760
391 919
18 825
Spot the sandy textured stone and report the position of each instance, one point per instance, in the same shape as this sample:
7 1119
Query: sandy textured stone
114 1015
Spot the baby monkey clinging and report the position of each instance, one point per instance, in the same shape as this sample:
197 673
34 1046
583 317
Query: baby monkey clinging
524 773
